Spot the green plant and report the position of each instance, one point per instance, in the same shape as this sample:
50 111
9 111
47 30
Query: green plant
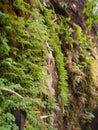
54 42
22 63
91 11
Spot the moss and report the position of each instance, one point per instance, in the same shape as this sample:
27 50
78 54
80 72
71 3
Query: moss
24 30
23 54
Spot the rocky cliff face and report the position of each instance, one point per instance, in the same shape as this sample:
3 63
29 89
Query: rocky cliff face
48 63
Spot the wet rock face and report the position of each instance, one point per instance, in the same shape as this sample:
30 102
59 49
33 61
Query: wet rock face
94 123
51 73
51 82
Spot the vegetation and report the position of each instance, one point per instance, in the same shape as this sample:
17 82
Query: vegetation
25 27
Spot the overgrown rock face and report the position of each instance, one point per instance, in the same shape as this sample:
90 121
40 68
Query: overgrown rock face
48 58
79 84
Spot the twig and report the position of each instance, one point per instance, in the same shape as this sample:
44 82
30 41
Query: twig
11 91
45 116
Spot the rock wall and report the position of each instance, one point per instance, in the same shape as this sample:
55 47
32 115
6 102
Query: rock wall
48 56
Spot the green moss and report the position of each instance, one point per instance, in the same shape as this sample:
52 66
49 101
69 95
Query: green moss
55 43
23 54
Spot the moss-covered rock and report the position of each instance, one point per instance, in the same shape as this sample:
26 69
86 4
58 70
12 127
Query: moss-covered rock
47 65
